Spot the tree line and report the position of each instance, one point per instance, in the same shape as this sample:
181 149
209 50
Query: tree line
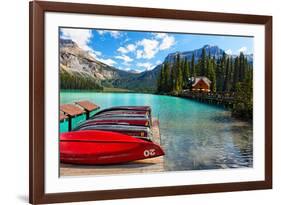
69 81
227 74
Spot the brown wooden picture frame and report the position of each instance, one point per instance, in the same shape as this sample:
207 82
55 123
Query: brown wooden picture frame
37 95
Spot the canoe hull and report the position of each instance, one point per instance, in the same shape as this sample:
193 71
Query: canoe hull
127 109
123 112
116 116
136 131
120 121
101 148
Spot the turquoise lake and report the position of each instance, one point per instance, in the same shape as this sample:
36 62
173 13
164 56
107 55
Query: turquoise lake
194 135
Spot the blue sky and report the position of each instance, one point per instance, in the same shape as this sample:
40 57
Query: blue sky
133 50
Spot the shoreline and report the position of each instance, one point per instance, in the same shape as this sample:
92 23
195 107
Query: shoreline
228 108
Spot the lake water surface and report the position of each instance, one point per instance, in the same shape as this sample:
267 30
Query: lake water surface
193 135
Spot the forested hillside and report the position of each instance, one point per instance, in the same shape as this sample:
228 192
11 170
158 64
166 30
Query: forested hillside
227 74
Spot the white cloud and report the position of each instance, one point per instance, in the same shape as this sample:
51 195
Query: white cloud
82 37
131 47
114 34
126 40
122 50
125 58
167 41
131 70
228 52
149 48
147 66
108 61
98 53
92 54
127 49
139 53
242 49
158 62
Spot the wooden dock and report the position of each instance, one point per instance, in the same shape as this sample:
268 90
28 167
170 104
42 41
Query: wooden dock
140 166
219 98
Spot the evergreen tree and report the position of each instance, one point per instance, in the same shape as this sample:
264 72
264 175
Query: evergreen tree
186 73
192 66
212 74
161 80
241 67
243 103
167 87
219 75
203 63
179 81
231 73
178 74
227 75
174 74
235 73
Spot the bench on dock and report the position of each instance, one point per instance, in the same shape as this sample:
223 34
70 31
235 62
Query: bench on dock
71 110
75 114
63 116
88 107
64 122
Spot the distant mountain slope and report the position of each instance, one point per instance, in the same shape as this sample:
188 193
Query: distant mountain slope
78 63
143 82
214 51
75 60
80 70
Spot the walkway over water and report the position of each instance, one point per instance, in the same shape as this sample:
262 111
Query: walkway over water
223 98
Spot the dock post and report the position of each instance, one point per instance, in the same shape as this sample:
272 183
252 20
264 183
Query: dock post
87 115
69 123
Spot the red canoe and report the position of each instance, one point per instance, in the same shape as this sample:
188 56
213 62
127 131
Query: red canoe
136 131
125 121
127 109
103 147
123 112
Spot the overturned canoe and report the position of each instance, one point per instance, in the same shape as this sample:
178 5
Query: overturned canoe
128 109
118 121
136 131
121 116
103 147
122 112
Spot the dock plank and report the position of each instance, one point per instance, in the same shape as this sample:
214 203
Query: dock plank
139 166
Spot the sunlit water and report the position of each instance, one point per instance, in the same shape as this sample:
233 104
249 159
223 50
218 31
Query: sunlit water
194 135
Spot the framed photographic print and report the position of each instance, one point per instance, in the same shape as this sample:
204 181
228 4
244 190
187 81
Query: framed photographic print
139 102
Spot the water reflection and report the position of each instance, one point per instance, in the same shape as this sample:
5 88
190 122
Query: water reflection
194 135
214 142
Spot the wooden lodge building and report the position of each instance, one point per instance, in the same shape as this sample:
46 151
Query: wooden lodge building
201 84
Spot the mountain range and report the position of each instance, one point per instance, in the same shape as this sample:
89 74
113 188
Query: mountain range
80 66
214 51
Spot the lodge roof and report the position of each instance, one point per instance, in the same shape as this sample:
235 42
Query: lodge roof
205 79
87 105
71 109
